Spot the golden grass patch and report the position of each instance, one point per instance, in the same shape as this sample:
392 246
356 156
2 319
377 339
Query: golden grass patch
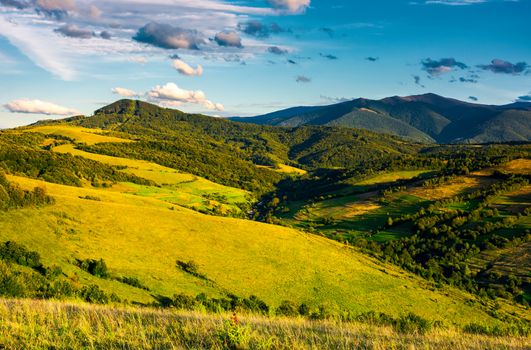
518 166
391 177
284 169
456 186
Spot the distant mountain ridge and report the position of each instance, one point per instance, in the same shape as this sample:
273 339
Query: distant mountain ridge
424 118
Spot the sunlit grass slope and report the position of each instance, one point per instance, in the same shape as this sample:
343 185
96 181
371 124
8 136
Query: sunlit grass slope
143 237
50 325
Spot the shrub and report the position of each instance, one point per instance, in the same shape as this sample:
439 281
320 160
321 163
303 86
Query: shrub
412 323
183 301
191 266
513 329
18 254
96 268
304 310
254 304
93 294
133 282
287 308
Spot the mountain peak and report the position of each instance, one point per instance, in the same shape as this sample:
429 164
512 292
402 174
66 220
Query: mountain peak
126 106
418 117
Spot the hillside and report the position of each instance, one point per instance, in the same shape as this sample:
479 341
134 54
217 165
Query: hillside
423 118
143 238
82 326
145 205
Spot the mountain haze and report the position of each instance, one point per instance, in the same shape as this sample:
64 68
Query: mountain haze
424 118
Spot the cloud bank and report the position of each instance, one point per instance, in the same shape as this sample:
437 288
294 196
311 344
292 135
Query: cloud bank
172 95
38 107
290 6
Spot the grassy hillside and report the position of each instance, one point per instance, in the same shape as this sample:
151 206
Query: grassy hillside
99 209
141 237
37 325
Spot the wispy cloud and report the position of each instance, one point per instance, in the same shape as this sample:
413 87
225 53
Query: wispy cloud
35 44
28 23
455 2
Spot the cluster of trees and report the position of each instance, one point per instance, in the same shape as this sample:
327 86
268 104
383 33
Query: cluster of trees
13 197
408 323
462 159
253 305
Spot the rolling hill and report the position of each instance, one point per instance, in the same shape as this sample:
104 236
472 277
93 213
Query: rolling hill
424 118
142 205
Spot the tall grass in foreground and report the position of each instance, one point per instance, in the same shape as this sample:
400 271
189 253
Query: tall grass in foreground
31 324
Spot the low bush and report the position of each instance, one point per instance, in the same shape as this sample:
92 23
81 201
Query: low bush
96 268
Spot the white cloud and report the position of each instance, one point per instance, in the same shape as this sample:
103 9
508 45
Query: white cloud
38 107
291 6
172 95
213 5
124 92
185 69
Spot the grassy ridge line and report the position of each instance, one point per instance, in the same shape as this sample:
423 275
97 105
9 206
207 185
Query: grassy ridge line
139 237
32 324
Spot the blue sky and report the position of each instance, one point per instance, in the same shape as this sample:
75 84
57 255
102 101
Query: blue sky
227 58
